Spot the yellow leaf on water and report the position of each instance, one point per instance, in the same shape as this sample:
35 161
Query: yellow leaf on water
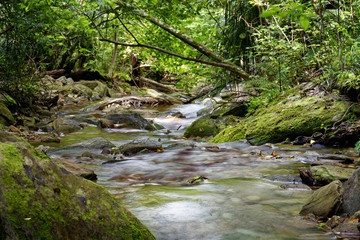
159 150
312 141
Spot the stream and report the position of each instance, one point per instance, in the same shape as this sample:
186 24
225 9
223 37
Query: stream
251 192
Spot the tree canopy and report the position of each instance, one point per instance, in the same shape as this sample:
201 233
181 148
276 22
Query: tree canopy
271 45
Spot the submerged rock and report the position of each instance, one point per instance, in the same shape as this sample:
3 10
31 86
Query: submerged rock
132 120
138 145
76 169
325 201
94 145
39 201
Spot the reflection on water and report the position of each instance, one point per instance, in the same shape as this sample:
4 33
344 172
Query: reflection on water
237 202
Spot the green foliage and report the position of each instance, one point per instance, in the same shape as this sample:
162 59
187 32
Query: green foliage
357 145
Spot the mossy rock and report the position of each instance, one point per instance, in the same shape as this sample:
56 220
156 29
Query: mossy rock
284 119
6 118
234 109
329 173
325 201
6 99
40 201
207 126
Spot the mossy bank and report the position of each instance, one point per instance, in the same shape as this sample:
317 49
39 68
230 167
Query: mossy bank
39 200
293 114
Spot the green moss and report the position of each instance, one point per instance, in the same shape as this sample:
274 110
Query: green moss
288 119
40 202
6 115
207 126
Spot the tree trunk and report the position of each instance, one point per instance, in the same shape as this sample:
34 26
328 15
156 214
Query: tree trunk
201 48
114 57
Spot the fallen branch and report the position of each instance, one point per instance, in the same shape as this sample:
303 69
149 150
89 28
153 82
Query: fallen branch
158 85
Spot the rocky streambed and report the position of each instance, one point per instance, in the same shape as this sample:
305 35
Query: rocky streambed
155 158
248 192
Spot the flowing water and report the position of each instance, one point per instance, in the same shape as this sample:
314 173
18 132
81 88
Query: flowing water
251 191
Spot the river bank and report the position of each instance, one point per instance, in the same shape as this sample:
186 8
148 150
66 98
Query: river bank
250 191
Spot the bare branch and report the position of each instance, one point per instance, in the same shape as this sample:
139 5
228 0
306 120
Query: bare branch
229 67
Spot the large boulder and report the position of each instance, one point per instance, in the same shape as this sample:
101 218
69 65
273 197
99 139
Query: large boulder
139 145
328 173
210 126
351 197
325 201
40 201
290 115
64 125
132 120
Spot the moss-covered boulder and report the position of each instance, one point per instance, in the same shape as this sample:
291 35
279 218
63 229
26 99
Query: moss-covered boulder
6 118
329 173
289 116
207 126
40 201
325 201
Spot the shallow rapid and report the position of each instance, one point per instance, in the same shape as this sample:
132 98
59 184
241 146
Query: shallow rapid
251 192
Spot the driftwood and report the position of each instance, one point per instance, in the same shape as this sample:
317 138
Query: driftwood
135 101
158 85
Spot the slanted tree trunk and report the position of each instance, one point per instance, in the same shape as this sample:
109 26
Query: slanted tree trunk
219 60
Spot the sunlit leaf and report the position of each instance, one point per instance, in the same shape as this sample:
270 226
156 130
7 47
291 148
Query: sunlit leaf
304 22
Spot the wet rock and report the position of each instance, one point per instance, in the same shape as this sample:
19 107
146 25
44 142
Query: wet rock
178 114
203 127
284 178
76 169
63 125
346 134
301 140
138 145
207 126
333 222
328 173
40 201
336 157
325 201
132 120
347 229
94 145
105 123
351 198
